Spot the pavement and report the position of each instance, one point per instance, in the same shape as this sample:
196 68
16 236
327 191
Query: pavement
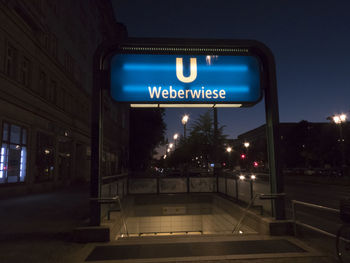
38 228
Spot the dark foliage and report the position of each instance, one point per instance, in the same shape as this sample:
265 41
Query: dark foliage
201 143
147 130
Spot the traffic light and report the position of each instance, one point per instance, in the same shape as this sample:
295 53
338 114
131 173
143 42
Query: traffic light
255 164
243 156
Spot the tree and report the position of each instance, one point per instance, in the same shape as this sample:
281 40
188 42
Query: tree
200 143
147 130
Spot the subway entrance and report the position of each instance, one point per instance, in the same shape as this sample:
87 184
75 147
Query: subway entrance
212 74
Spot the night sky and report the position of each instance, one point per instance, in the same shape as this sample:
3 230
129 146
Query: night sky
310 40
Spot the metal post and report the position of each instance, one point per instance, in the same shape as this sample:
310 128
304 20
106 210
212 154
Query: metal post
215 111
185 131
236 185
342 144
158 185
294 219
96 142
188 183
273 139
251 189
99 84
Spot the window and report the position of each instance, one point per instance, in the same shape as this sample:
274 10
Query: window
46 40
60 98
52 5
13 154
51 91
69 63
54 46
68 103
25 72
45 157
11 61
64 157
38 5
42 83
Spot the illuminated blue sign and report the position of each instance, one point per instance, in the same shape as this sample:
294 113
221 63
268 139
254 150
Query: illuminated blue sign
164 78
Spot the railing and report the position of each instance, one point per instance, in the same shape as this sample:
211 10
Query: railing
261 197
111 200
171 184
319 207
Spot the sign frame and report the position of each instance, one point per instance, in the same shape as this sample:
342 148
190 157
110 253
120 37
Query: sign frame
195 47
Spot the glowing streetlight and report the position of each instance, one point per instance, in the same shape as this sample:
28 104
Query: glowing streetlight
241 177
246 144
184 121
253 177
338 119
342 117
164 157
176 136
171 145
168 150
229 149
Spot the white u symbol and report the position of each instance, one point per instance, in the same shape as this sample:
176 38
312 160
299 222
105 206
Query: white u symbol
179 70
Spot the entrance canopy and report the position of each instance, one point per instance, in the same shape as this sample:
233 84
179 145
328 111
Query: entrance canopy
185 73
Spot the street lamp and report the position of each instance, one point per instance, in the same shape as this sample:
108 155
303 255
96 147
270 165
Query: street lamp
184 121
229 149
176 136
246 144
339 119
171 145
343 117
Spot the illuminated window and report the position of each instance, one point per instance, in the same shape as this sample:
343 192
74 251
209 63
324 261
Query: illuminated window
13 154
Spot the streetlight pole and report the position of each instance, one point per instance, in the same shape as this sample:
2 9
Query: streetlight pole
229 150
184 122
246 146
339 120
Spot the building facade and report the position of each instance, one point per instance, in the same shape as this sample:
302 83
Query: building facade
302 145
46 55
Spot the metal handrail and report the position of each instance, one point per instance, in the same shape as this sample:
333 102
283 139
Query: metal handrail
244 213
115 199
251 202
295 222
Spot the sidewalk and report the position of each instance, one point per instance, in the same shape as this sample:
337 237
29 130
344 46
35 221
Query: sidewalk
37 228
